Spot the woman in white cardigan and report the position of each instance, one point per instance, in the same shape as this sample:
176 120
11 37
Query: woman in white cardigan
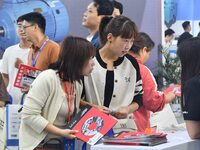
55 95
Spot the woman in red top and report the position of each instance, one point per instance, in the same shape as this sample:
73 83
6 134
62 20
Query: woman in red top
153 100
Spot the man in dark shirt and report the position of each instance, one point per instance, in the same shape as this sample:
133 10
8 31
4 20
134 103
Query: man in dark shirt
95 11
118 9
185 35
4 98
199 31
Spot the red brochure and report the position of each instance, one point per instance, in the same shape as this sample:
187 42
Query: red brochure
25 75
176 88
92 124
136 138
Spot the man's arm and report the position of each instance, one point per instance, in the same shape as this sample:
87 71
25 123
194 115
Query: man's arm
5 79
3 93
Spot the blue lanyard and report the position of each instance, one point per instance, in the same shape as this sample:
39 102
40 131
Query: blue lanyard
34 60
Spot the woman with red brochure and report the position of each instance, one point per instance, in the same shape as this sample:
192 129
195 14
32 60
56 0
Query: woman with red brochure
153 100
54 97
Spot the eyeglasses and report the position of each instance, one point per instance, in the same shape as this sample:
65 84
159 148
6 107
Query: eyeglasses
24 27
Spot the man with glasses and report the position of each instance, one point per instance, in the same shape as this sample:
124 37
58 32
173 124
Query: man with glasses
43 50
12 57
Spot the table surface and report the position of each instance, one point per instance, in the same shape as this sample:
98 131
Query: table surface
178 140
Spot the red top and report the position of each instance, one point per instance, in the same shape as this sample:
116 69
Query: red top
153 100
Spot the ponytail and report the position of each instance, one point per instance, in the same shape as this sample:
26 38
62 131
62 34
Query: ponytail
102 32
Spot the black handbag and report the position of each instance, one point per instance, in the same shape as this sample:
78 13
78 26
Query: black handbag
48 145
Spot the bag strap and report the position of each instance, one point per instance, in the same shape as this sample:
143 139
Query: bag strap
42 145
22 101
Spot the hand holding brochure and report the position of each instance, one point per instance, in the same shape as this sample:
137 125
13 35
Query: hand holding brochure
176 88
92 124
25 75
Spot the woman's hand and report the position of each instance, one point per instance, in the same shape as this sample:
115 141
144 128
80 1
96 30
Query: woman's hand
68 133
121 113
124 111
61 132
25 89
103 109
170 97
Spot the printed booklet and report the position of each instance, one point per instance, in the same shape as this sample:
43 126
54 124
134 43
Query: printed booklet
136 138
176 88
26 75
92 124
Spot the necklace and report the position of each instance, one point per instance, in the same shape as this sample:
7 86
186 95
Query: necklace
69 98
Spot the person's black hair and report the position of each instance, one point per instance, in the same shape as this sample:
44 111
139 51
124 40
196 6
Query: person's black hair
75 52
34 18
189 54
185 25
118 26
142 40
169 32
104 7
119 6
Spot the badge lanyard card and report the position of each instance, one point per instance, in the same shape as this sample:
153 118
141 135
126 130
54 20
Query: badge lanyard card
74 144
69 144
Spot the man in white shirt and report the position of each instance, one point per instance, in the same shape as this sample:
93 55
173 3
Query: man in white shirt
169 36
12 57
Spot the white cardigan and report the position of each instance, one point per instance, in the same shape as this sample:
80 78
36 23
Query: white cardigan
41 107
127 83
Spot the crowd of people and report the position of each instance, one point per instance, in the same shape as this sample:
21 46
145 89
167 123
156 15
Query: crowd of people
106 70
